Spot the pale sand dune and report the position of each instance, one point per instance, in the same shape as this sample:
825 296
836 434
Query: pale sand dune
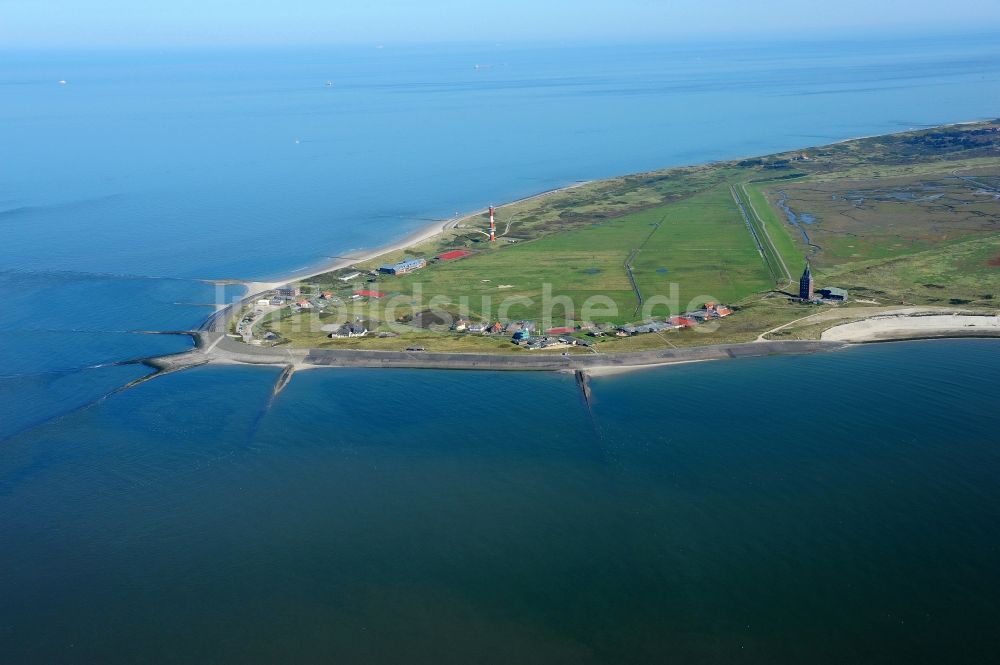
887 328
426 233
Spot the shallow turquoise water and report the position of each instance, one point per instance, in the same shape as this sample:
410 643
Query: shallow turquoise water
829 508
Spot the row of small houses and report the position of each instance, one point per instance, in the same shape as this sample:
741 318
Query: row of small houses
324 298
492 329
687 320
521 331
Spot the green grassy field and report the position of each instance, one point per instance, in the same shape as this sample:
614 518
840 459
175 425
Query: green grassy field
911 218
777 229
702 245
695 250
964 273
888 217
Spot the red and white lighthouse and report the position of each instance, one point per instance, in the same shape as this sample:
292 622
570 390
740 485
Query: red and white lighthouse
493 226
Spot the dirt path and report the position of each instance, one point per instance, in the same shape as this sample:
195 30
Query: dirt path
763 336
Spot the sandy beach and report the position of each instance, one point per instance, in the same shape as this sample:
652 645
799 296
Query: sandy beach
612 370
421 235
900 327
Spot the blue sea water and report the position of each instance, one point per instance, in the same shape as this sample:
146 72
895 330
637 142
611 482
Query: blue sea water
830 508
827 508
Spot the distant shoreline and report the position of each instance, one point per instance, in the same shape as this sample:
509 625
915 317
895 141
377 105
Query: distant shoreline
950 124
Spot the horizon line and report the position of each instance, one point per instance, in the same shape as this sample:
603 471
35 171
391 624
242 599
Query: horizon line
830 35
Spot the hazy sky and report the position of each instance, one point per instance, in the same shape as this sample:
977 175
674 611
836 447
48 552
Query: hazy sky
165 22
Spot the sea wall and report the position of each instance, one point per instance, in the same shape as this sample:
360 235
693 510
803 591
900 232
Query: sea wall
547 362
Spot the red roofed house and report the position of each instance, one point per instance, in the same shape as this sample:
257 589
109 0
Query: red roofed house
682 322
559 331
370 294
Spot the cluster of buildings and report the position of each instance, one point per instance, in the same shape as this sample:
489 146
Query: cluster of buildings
512 328
410 264
320 301
547 342
808 290
293 294
523 333
674 323
348 330
707 312
403 267
245 324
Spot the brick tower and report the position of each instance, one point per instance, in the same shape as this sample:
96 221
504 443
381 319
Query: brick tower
806 284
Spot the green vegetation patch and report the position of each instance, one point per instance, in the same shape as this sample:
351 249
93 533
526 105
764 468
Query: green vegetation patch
957 274
910 218
858 220
683 253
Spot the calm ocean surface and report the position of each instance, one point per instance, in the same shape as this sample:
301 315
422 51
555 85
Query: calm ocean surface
827 508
